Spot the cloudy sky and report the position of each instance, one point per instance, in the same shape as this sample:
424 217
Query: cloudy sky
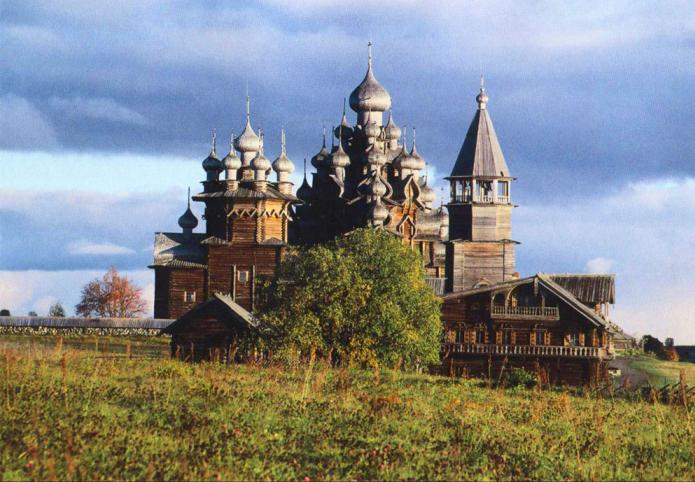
106 110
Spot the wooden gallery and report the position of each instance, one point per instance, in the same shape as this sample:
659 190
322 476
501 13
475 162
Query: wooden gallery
493 319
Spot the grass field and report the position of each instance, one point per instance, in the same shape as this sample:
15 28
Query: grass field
86 414
661 372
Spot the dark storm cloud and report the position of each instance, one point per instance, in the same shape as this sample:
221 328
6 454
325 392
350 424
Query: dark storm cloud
580 100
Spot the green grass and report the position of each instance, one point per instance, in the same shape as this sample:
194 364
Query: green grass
79 414
662 372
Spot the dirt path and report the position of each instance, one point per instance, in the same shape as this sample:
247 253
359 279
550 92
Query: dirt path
637 377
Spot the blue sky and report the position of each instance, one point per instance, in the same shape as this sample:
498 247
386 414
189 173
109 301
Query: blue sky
106 112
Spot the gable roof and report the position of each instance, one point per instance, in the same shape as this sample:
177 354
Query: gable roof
224 307
547 282
588 288
481 153
571 300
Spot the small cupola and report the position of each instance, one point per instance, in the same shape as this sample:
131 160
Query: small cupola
212 165
188 221
283 167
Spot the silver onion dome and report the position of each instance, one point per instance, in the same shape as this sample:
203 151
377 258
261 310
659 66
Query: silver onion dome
283 163
379 213
343 130
188 221
260 162
247 141
419 161
320 158
339 157
427 194
391 130
304 192
231 161
370 94
212 163
372 130
404 160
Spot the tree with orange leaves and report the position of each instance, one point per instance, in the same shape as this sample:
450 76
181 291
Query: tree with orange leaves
112 296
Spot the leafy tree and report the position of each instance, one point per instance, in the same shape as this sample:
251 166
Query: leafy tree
651 344
4 312
362 297
32 313
111 296
669 343
56 310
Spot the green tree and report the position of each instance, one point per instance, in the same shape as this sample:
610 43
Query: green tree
361 298
56 310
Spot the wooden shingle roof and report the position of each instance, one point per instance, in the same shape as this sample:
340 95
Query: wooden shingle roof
223 307
588 288
481 153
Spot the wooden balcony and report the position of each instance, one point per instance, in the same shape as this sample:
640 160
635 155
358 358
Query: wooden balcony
544 313
529 350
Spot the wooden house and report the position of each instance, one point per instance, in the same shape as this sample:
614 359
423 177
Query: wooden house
552 325
212 331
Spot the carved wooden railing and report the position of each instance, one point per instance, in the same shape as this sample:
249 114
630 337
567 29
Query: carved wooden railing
551 313
481 198
525 350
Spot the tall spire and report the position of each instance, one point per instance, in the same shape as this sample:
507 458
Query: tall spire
369 54
214 141
305 168
282 140
324 135
248 103
189 197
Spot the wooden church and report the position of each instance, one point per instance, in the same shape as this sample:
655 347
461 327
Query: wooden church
493 320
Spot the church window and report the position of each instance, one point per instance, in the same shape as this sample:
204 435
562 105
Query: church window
189 296
243 276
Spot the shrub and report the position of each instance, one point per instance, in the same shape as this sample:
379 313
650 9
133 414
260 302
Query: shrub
518 377
362 298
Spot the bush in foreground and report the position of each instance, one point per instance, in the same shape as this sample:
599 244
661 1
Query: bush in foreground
362 298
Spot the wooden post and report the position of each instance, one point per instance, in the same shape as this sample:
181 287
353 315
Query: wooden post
253 287
234 283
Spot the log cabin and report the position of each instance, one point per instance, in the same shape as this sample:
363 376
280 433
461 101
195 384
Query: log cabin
214 330
551 325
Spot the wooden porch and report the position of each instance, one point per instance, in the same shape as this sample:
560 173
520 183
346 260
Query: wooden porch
529 350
